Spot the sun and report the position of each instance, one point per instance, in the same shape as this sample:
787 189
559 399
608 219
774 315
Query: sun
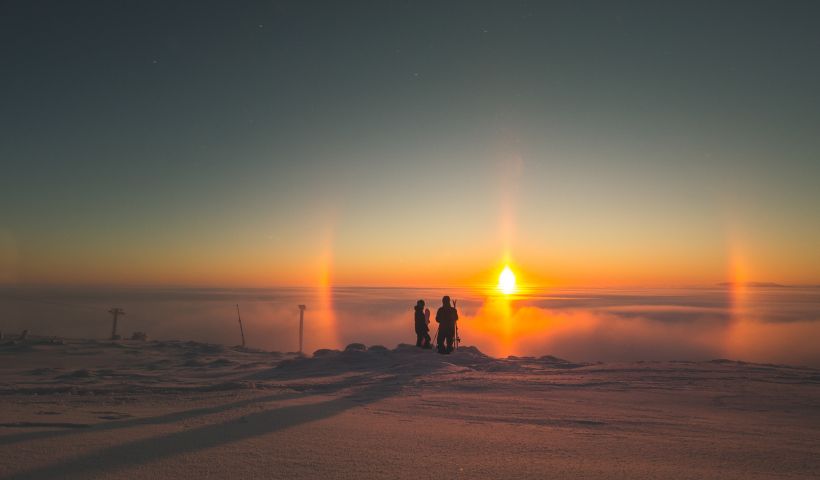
506 281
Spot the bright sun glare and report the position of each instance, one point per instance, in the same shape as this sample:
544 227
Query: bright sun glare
506 281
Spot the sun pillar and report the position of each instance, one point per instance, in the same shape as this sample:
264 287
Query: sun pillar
324 329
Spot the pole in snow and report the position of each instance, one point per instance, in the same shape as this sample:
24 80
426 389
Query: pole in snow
241 330
301 325
115 312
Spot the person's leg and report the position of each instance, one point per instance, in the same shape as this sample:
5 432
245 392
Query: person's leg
419 337
440 340
447 338
426 340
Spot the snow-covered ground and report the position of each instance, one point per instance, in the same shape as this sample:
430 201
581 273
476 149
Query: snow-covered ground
88 409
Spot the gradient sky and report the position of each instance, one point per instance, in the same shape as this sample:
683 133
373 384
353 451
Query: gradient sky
409 143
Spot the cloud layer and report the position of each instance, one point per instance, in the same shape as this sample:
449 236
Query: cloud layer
766 325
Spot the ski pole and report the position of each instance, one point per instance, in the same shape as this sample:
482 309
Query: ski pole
458 340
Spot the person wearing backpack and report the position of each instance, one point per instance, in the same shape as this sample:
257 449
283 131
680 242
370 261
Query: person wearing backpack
447 316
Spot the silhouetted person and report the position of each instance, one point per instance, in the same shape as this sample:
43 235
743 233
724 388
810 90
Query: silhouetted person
447 316
422 330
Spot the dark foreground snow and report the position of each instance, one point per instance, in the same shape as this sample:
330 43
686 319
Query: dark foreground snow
87 409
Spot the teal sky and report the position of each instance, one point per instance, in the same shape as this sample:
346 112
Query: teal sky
408 142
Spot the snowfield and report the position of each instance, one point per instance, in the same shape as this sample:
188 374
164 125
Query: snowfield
91 409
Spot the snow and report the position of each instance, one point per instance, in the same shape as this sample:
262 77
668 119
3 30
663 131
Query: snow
92 409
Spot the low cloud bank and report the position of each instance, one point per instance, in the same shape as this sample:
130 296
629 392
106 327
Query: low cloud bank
596 325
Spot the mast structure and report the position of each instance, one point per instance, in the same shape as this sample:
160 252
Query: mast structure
115 312
241 330
301 326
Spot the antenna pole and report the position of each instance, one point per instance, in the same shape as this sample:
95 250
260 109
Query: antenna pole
115 312
241 330
301 326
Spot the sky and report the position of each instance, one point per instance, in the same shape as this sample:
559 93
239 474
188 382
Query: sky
401 143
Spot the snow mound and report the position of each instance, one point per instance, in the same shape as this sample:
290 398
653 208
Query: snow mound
357 357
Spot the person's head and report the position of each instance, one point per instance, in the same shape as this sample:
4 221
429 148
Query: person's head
420 304
445 300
